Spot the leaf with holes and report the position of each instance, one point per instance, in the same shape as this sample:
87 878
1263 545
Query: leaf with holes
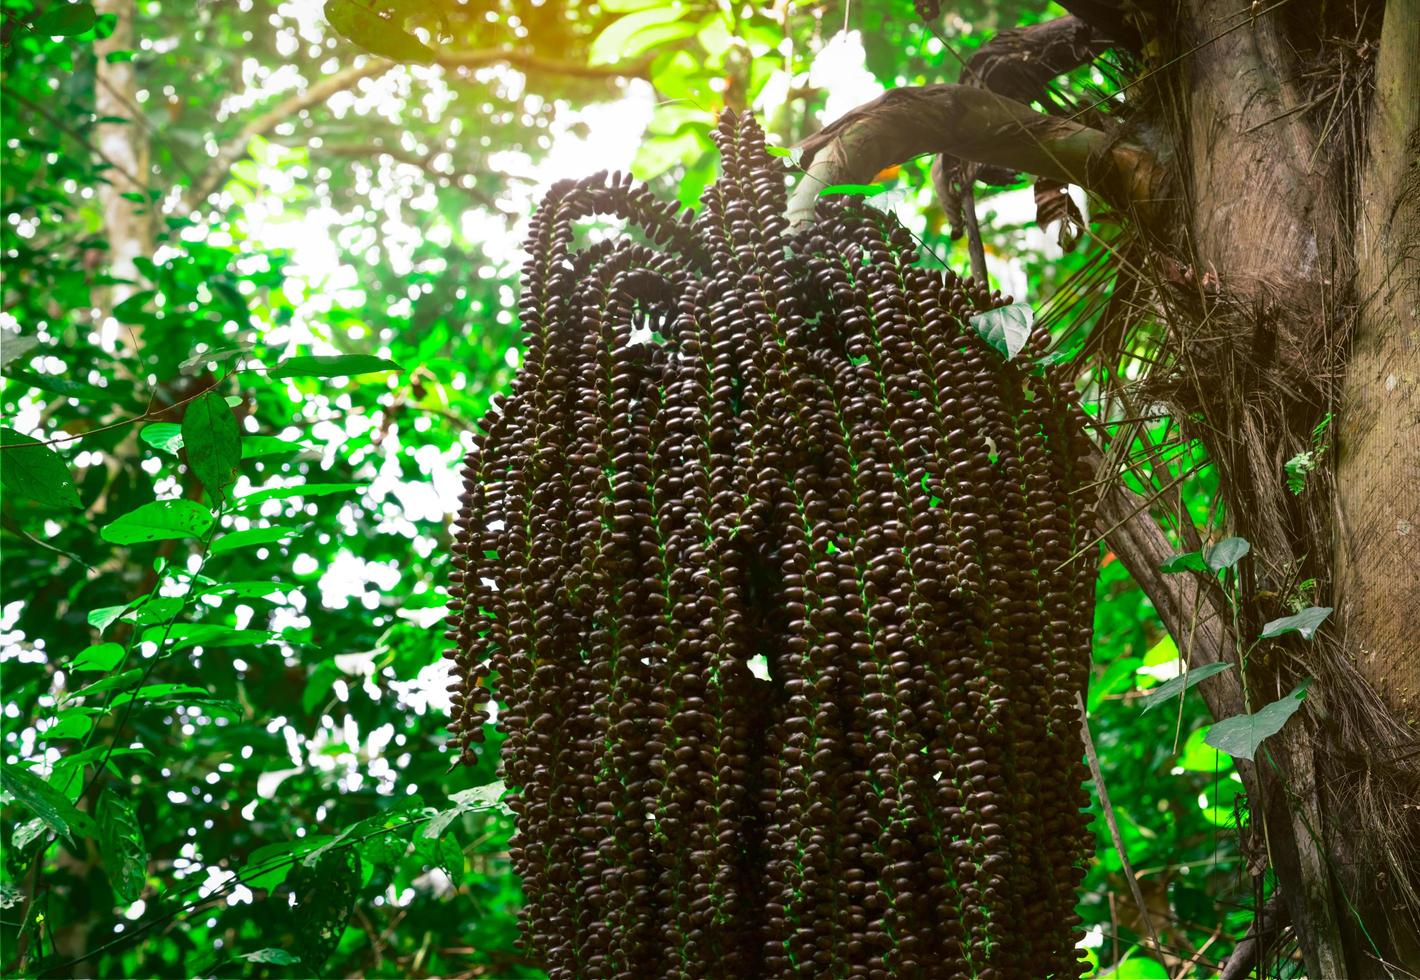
325 895
124 856
160 520
1173 688
44 800
1304 622
213 442
1240 735
1006 328
33 470
467 801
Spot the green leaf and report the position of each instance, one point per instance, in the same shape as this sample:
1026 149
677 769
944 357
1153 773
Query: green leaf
271 591
133 309
68 724
299 490
214 356
1116 677
1304 622
163 436
318 685
254 446
273 955
636 32
252 537
1005 328
1240 735
105 616
1199 756
375 34
183 635
1137 966
213 442
121 839
325 897
467 801
157 609
1190 562
65 20
1297 469
331 366
715 37
99 656
13 346
110 682
159 521
27 833
161 695
59 386
30 469
1226 553
44 800
1183 682
853 190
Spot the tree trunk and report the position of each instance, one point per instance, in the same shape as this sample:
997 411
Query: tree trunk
128 223
1378 475
1289 245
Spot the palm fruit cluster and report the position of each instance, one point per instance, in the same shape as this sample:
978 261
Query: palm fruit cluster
771 565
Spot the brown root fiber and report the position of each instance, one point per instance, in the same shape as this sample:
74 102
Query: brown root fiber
767 559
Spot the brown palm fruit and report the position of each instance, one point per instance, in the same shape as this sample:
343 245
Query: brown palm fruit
781 579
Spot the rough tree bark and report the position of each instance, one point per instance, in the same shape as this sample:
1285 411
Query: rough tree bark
1277 247
1378 479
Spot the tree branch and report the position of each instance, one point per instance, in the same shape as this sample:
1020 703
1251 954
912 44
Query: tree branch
423 162
217 168
1018 63
317 94
533 64
1193 617
975 125
1266 925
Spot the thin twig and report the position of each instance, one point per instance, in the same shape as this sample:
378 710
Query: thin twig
1108 809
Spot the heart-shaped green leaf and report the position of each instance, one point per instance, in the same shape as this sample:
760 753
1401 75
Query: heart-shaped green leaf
1006 328
1240 735
1304 622
1173 688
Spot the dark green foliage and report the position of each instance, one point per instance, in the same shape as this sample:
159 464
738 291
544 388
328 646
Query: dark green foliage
748 444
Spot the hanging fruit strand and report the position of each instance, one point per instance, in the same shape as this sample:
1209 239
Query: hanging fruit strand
769 563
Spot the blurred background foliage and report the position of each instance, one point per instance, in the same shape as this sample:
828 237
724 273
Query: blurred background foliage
228 759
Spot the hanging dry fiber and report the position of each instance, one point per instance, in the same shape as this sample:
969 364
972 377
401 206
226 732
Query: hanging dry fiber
768 559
